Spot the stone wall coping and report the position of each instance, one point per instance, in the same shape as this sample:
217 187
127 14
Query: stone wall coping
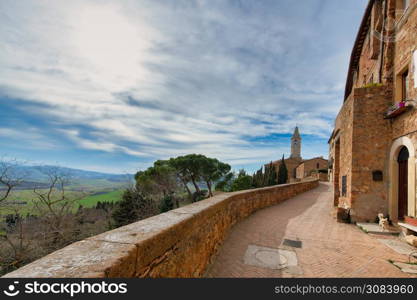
362 91
121 251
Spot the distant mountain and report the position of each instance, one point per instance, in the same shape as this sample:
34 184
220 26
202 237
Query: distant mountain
39 174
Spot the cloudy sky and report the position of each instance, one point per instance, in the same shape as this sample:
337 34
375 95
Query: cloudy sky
114 85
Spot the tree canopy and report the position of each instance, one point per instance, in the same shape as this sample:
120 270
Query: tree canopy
167 177
242 182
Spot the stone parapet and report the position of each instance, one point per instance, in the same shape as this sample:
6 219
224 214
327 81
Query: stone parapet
178 243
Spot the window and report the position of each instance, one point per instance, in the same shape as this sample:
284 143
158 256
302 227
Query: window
377 175
404 85
318 166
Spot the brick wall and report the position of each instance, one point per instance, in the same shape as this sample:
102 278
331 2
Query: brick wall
365 137
343 159
405 46
179 243
371 139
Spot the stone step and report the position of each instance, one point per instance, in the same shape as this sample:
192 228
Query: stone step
408 226
374 228
400 247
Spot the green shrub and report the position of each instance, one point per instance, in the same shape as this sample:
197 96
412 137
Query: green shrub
166 204
372 84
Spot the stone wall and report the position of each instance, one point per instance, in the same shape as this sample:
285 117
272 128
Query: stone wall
368 142
309 166
314 164
322 176
343 157
369 64
179 243
299 172
370 151
364 137
405 47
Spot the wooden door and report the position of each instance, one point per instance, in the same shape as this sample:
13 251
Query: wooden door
402 183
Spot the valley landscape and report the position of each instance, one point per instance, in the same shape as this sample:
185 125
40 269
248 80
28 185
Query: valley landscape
87 186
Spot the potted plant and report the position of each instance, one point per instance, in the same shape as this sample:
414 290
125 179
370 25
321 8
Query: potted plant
396 109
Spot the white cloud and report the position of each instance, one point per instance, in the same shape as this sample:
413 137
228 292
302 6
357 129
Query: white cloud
98 145
158 79
30 138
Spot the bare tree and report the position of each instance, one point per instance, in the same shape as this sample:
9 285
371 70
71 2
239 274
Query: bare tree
54 204
14 235
9 177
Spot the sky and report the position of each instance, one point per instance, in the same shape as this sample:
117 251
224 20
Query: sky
112 86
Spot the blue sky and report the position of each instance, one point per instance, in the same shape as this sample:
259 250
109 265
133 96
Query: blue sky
112 86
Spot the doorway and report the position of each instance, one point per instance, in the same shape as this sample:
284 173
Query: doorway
403 157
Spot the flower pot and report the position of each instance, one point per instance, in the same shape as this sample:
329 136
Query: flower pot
411 221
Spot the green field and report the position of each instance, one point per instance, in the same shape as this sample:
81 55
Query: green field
91 201
23 199
95 185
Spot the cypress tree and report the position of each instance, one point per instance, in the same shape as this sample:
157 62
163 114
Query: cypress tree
265 179
167 204
282 172
272 175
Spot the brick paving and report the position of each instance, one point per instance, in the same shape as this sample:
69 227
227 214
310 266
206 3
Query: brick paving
329 249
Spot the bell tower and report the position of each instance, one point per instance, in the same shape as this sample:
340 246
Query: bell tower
296 144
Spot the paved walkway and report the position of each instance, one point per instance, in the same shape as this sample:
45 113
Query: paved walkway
329 249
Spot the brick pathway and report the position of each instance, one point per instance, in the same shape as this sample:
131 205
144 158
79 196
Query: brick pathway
329 249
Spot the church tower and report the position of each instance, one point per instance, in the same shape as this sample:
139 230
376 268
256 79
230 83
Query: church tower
296 144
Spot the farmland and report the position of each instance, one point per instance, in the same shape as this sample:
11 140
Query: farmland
91 200
89 193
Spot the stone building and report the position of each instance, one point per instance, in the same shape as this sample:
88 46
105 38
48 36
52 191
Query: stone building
311 166
373 145
295 160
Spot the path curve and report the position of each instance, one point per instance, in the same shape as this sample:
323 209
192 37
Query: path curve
329 249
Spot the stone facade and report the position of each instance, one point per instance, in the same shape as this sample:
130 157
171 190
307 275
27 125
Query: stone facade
322 176
310 166
178 243
365 143
295 160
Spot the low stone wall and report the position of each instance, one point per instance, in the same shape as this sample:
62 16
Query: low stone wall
322 176
179 243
